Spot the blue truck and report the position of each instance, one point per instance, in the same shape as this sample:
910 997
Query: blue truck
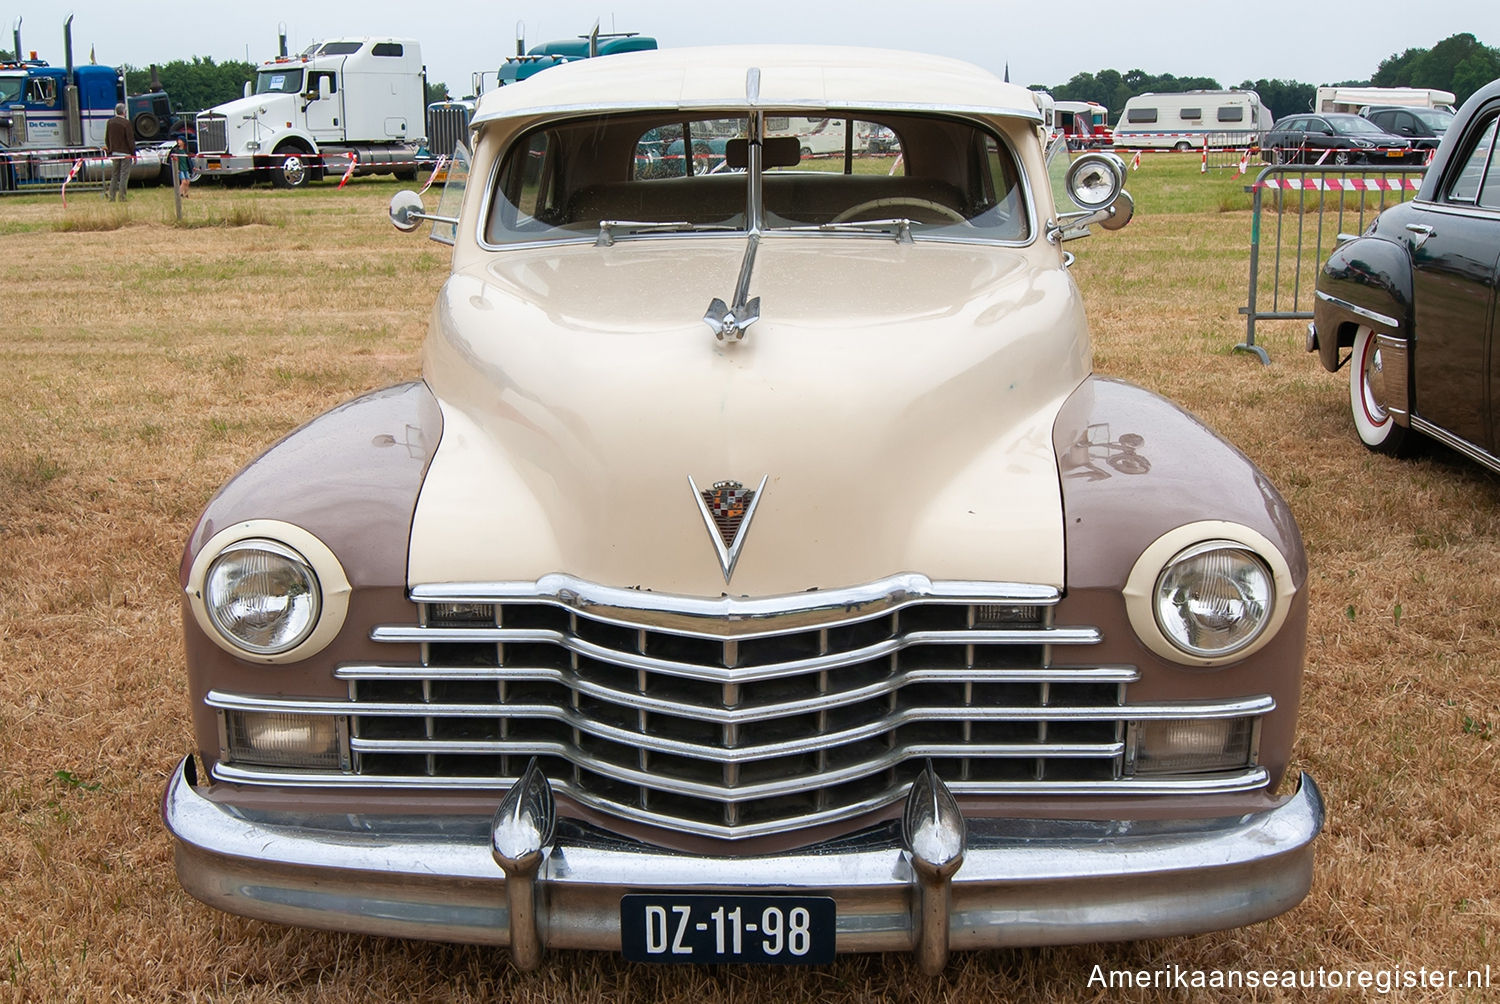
52 117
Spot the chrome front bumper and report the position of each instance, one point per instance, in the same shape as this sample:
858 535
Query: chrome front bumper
932 883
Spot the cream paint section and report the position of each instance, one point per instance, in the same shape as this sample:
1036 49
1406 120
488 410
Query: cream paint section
791 75
900 398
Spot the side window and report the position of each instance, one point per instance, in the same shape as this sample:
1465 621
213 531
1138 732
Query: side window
1470 180
387 49
42 91
1141 115
317 75
1231 114
1192 114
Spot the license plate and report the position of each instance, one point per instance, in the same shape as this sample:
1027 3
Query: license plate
780 930
212 163
1395 153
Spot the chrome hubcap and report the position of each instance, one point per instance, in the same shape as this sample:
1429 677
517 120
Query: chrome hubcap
293 171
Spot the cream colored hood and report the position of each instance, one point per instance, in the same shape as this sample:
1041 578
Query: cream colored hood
899 400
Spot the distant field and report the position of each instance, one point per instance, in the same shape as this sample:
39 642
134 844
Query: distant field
145 362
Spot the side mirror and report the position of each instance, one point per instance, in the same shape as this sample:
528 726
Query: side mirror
248 89
406 211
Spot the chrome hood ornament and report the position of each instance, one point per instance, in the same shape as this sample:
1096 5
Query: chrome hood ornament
727 509
728 322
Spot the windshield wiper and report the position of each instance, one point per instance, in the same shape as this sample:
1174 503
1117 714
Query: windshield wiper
901 224
607 227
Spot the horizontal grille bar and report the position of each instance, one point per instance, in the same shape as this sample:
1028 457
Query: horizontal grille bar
1247 780
738 617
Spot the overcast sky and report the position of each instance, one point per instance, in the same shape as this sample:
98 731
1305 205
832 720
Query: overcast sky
1043 42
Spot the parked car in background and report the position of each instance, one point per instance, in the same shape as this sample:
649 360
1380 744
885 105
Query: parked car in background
758 571
1423 128
1333 138
1413 300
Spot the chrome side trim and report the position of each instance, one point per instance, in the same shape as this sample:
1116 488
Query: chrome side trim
1475 453
1358 311
737 616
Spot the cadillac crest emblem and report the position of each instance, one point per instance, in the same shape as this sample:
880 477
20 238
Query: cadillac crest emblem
727 509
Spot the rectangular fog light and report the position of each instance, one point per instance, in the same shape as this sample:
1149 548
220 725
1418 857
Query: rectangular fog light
1193 745
282 739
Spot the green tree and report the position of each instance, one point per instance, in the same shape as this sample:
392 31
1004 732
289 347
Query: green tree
1282 97
437 92
200 83
1459 63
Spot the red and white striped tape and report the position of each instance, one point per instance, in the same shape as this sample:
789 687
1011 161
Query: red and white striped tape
1342 184
72 173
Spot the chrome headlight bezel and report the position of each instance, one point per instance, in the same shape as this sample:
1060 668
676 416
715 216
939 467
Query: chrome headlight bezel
294 545
1188 543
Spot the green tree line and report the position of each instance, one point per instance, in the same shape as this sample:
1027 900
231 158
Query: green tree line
1460 63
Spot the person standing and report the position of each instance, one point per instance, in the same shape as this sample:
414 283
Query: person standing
119 144
184 163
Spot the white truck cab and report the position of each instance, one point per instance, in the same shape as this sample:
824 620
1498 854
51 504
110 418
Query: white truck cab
343 101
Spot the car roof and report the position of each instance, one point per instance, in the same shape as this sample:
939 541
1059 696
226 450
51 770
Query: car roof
765 76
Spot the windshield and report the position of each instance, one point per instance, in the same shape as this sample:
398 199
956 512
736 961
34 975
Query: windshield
278 81
1353 125
10 88
860 173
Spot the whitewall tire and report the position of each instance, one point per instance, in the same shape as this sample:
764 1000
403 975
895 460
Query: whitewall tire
1368 397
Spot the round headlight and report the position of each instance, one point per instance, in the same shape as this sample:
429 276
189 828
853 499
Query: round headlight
262 596
1094 180
1214 598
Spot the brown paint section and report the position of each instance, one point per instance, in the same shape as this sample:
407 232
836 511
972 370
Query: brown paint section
1153 467
351 478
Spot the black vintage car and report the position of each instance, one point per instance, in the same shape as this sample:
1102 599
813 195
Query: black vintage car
1340 137
1423 127
1414 299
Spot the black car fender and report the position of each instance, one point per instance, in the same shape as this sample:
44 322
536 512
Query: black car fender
1365 282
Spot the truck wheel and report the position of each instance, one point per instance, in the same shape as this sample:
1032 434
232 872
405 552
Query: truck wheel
147 126
406 174
1368 397
291 171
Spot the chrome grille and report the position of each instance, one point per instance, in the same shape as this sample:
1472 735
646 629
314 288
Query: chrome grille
213 134
738 717
447 127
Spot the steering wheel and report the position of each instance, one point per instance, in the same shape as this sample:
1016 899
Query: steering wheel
890 202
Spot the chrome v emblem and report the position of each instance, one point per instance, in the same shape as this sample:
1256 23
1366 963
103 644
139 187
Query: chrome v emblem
727 508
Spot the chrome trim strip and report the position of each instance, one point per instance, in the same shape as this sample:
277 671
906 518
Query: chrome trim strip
739 674
1248 780
1475 453
739 715
1359 311
740 755
737 616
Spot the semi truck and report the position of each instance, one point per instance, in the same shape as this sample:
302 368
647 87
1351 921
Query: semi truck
345 102
52 120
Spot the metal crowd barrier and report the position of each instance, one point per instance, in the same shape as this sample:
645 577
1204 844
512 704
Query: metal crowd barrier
1297 215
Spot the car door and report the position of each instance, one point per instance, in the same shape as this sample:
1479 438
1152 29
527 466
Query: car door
1455 245
1317 136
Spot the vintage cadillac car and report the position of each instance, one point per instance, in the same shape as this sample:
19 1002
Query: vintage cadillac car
1413 299
758 571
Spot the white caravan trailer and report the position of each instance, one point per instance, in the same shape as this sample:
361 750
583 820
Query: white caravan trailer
1183 120
1355 99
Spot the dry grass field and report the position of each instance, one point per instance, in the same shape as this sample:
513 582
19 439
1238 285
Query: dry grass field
145 362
